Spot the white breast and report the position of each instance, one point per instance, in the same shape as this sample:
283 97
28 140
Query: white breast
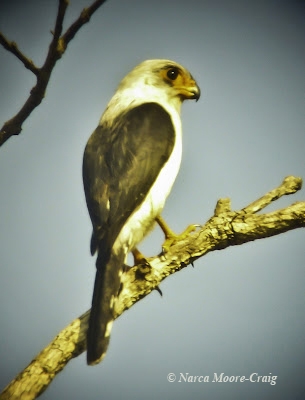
142 220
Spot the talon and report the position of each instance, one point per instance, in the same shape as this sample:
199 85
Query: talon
159 290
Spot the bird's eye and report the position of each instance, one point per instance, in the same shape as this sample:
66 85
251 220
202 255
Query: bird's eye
172 73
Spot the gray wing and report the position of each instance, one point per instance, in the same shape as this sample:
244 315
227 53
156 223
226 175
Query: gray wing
120 166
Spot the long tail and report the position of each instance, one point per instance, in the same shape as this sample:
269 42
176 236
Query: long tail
106 288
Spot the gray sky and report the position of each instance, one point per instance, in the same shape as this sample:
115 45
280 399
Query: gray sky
240 310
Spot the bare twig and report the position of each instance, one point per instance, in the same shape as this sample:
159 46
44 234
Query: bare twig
13 48
57 48
62 7
82 19
226 228
290 185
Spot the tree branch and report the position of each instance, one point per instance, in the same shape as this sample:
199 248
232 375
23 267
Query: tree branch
82 19
13 48
57 48
225 228
62 7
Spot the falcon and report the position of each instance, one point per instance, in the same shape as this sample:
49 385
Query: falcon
130 163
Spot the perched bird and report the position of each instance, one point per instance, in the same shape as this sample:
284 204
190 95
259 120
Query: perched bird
130 163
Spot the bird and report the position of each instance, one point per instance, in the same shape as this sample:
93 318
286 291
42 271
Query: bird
130 163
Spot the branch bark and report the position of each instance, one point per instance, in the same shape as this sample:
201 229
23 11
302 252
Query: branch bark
225 228
57 48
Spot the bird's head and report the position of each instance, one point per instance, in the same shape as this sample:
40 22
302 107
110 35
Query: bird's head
165 76
162 81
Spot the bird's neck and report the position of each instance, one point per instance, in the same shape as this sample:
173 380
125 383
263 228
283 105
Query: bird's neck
132 97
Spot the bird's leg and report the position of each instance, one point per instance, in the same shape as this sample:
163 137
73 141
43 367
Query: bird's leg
170 236
138 257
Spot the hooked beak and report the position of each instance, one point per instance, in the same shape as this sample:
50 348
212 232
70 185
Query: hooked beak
196 92
191 92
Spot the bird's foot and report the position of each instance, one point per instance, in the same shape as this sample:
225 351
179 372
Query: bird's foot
172 238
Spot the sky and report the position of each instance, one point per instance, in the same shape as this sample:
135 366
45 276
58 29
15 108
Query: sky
239 311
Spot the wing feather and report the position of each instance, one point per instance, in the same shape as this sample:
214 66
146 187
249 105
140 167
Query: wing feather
120 165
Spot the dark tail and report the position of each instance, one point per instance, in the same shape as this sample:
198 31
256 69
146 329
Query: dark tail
106 288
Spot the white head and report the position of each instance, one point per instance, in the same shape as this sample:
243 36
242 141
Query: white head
163 81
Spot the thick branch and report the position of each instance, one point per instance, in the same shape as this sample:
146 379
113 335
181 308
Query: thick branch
57 48
226 228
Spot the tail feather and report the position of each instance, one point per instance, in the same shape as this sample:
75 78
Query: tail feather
106 288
